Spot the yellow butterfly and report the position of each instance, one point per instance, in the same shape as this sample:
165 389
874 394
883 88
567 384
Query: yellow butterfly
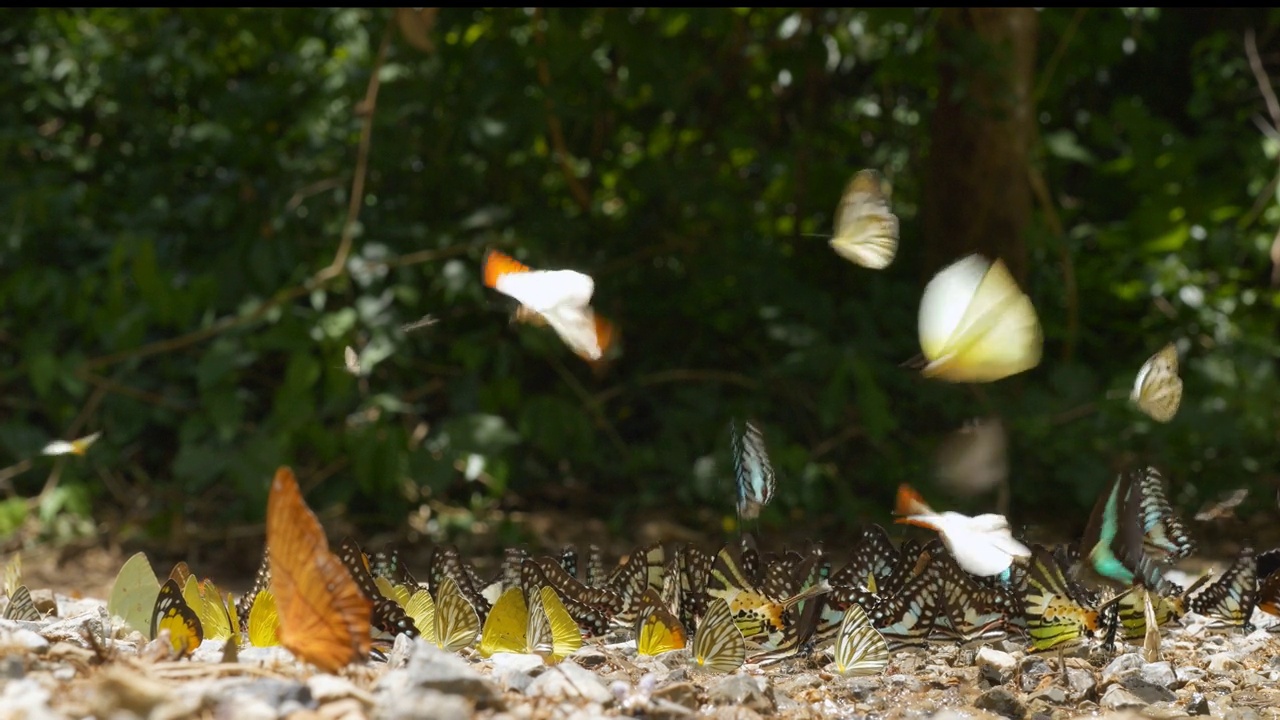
456 622
552 631
866 232
173 614
208 605
20 606
264 620
13 574
860 648
657 628
133 595
718 645
1157 391
976 325
417 604
504 628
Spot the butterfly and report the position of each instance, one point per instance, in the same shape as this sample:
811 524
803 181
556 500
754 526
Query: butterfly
351 361
133 595
456 624
388 616
970 613
324 618
1157 391
866 232
580 601
1151 641
975 458
1114 541
718 644
551 632
1224 508
860 648
982 545
561 298
215 619
263 620
1228 602
13 574
180 573
976 325
1056 615
1163 535
657 629
20 606
752 470
172 613
261 581
906 618
79 446
505 628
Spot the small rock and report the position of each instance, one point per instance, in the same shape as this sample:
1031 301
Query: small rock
1160 673
1033 668
1222 663
1148 691
1080 685
431 668
1117 698
44 602
1123 663
401 650
329 688
22 640
27 698
414 703
12 668
1240 713
1188 674
1197 705
1164 711
1001 702
590 657
683 694
569 680
742 690
1052 695
734 713
995 665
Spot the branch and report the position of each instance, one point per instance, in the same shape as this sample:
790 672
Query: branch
562 156
1260 75
1041 189
1052 65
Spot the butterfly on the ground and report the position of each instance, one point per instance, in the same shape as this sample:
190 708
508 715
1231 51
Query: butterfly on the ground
561 298
1157 390
416 602
752 470
1151 641
976 325
866 232
551 632
211 608
263 620
1057 616
387 615
718 645
1228 602
172 613
456 623
658 630
133 595
982 545
324 617
860 649
506 626
20 606
13 574
79 446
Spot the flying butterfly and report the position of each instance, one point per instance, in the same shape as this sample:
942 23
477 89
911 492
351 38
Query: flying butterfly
1157 391
20 606
172 613
976 325
79 446
658 630
133 595
718 645
552 631
324 617
752 471
866 232
860 648
983 545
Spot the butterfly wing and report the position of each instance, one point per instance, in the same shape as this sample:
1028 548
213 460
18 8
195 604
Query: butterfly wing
264 620
577 327
324 617
866 232
539 290
1157 390
657 629
752 470
860 648
976 325
422 609
207 604
505 627
718 645
133 595
172 613
565 637
20 606
457 625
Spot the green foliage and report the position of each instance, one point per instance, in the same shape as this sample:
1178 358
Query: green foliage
170 172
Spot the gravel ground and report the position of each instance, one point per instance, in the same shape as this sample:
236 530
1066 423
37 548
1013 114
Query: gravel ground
49 669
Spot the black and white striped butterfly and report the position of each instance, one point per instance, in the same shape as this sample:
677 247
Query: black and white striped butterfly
718 645
752 470
860 648
20 606
1229 601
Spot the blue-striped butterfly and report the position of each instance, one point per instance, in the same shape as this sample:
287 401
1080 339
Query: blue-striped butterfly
752 471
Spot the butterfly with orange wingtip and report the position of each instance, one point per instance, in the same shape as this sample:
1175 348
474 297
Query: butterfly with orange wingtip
982 544
559 298
79 446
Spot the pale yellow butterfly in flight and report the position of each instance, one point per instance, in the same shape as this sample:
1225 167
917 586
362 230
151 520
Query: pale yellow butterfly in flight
76 447
1157 391
866 232
976 325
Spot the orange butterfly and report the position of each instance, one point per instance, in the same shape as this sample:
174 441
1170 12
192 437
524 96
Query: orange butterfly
324 619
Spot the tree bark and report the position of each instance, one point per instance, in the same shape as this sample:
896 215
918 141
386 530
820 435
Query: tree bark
977 197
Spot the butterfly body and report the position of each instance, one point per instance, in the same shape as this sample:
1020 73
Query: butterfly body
866 232
982 545
752 470
1157 390
561 298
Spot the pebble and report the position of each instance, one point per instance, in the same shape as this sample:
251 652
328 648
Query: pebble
1001 702
741 690
1223 663
1117 698
570 680
995 665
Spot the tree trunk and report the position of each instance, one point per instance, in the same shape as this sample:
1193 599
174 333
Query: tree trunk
977 198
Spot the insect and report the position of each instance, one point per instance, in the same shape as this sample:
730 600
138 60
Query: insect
172 613
752 470
1157 391
718 645
860 648
976 325
866 232
324 618
658 630
982 545
76 447
133 595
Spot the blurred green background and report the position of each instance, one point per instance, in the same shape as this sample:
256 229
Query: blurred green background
181 262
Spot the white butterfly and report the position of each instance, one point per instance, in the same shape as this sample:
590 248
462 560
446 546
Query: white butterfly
976 325
1157 391
866 231
982 544
75 447
560 297
352 360
860 648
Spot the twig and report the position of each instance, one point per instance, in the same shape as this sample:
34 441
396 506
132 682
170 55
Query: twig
592 405
1041 189
1260 75
554 129
307 191
1052 65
